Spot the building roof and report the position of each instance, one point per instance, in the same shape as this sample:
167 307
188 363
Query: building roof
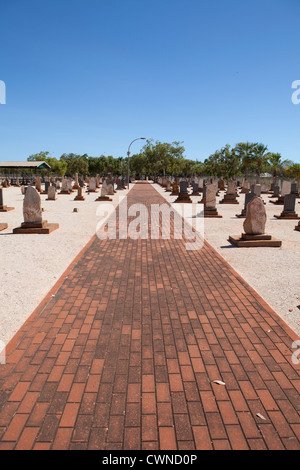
40 165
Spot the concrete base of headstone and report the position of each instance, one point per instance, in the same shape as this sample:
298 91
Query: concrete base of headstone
287 215
65 192
174 193
79 198
92 191
298 227
3 227
242 214
279 201
103 198
229 199
211 213
245 190
6 209
30 228
184 198
249 241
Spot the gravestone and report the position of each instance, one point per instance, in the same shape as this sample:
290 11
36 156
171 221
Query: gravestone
175 189
76 184
248 198
246 187
256 189
183 196
168 187
276 192
254 227
51 193
203 200
32 212
104 193
38 184
288 208
222 185
264 189
119 184
210 209
47 186
195 189
294 189
110 187
65 187
4 208
79 196
92 187
230 195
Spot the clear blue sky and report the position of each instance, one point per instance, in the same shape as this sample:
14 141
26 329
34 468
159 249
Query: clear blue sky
90 76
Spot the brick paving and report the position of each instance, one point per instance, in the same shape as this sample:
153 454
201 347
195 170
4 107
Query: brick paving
123 353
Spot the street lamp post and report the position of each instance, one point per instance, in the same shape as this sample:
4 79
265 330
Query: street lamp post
128 154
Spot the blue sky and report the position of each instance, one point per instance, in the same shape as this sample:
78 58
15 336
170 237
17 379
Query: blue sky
90 76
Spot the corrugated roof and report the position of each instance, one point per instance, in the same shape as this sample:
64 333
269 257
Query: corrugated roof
40 164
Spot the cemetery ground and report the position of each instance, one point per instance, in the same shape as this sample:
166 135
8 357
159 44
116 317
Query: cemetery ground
142 344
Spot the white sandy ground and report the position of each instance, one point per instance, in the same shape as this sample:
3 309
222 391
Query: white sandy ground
31 264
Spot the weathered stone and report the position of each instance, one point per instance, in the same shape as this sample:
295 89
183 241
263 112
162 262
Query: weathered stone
210 199
79 196
32 210
92 185
51 193
256 217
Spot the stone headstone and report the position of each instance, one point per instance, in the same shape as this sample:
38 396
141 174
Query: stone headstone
38 184
65 186
51 193
110 188
104 189
288 208
79 196
231 187
210 197
175 188
256 217
92 185
256 189
294 188
183 187
195 187
32 210
4 208
76 184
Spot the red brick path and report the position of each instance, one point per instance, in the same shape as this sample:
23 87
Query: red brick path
125 356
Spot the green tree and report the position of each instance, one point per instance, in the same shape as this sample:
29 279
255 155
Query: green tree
293 171
276 164
75 163
260 158
246 154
